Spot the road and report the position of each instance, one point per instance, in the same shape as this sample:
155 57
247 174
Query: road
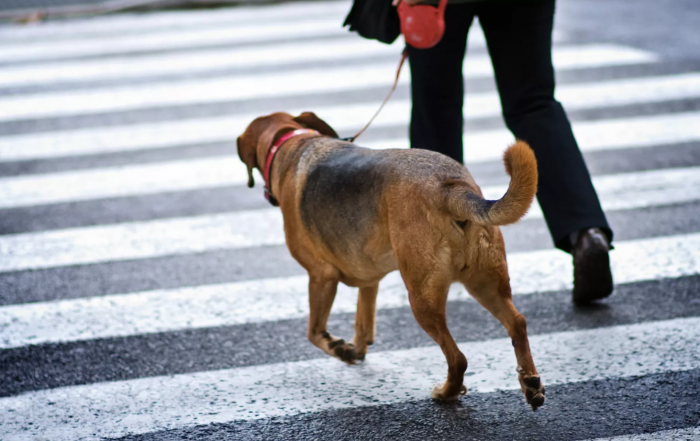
147 294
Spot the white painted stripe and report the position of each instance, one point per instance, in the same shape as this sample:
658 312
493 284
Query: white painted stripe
190 39
128 67
114 25
312 81
128 42
689 434
135 180
139 240
119 68
243 229
178 31
627 191
119 408
624 133
650 188
286 298
279 55
629 91
593 135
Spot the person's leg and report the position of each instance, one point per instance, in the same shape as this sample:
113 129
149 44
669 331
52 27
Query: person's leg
437 87
519 35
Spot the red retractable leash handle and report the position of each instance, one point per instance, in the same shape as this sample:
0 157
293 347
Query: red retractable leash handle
422 27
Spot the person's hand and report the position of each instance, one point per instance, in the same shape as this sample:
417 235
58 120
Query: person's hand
410 2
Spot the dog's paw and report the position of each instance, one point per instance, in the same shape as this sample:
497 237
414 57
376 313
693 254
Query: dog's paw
439 393
533 389
343 351
361 348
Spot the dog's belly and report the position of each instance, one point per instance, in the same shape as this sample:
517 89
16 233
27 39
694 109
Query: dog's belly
366 272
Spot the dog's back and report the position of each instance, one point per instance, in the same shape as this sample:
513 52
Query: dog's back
349 190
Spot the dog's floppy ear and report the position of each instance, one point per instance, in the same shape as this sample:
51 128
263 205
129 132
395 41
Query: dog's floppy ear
249 158
311 121
265 139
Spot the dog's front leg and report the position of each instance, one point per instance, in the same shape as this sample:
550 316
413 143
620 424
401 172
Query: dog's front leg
323 284
365 320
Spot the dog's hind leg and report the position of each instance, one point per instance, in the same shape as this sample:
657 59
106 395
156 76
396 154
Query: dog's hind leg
364 320
323 284
427 294
495 296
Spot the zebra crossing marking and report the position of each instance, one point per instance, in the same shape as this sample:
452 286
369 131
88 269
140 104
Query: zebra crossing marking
118 408
619 191
126 67
275 84
113 25
140 43
622 133
245 229
592 136
274 299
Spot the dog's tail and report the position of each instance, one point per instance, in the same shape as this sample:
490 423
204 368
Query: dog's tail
464 204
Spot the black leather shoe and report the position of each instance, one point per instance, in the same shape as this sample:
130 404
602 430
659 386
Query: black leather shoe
592 276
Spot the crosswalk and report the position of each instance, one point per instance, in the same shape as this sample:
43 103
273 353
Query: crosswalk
394 376
285 298
189 320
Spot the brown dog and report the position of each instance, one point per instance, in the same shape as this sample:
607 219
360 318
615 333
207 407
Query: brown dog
353 215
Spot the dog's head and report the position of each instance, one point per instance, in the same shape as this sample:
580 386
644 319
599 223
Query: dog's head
259 136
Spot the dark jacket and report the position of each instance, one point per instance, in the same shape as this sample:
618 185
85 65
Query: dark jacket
374 19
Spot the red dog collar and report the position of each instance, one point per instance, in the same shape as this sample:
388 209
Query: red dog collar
271 156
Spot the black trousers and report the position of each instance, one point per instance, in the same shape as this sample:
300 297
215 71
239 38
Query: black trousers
519 39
